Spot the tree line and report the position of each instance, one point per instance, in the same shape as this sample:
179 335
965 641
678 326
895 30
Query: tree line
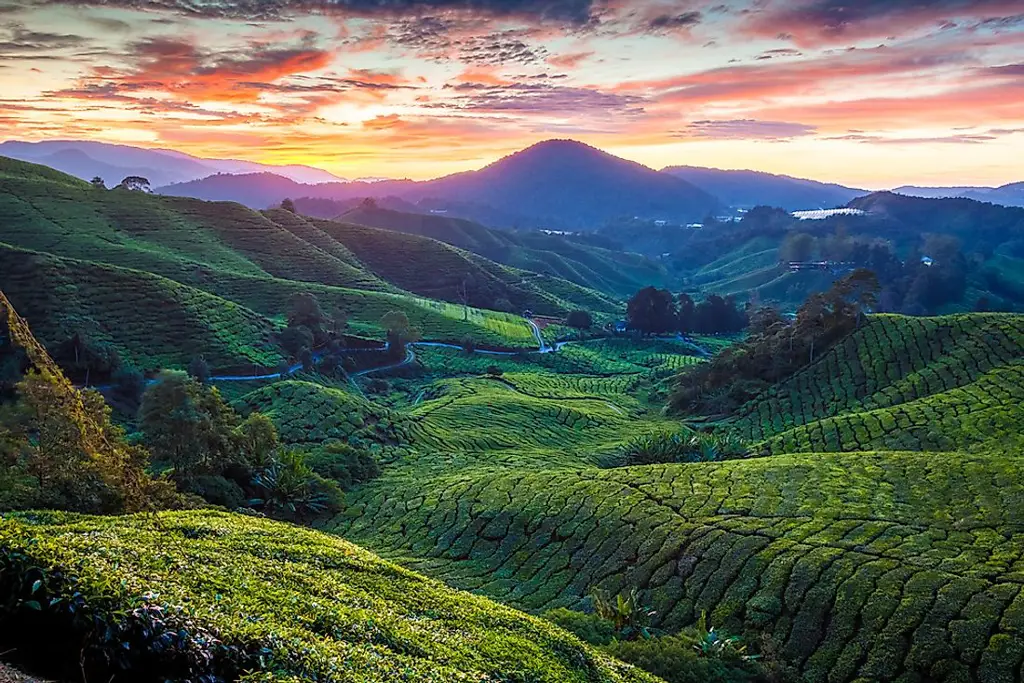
658 311
776 347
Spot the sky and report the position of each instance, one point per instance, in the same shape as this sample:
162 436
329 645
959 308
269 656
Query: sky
869 93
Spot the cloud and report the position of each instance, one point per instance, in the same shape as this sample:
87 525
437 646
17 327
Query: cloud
673 22
939 139
15 39
745 129
568 11
812 23
569 60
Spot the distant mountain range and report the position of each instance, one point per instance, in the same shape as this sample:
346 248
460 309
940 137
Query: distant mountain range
747 189
1007 195
557 184
87 159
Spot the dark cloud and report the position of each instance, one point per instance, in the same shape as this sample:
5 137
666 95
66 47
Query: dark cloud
745 129
673 22
16 39
544 98
827 21
572 11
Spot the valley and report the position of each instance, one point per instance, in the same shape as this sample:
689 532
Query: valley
419 462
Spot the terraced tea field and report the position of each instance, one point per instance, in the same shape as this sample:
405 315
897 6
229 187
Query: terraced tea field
903 383
889 564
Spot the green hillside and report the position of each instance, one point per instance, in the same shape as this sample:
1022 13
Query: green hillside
899 383
859 566
168 251
215 596
614 272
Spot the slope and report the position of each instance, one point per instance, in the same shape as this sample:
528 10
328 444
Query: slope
878 566
616 273
747 189
214 596
900 383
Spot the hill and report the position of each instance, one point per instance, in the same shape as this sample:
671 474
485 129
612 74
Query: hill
863 565
616 273
556 184
747 189
215 596
1006 195
86 159
176 250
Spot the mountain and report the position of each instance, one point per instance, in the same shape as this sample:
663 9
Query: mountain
568 185
747 189
558 184
1007 195
85 159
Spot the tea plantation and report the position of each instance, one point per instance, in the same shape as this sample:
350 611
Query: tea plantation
216 596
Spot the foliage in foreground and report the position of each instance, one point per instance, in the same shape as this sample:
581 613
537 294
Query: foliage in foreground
58 447
215 597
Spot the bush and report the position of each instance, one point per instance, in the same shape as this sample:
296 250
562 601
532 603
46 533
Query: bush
589 628
495 371
674 659
218 490
681 448
344 463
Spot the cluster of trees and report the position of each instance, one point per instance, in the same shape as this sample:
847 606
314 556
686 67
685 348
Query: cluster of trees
58 446
933 272
210 451
309 328
776 347
656 311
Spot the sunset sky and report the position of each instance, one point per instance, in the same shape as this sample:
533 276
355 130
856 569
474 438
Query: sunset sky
872 93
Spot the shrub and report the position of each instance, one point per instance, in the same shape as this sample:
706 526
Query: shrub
673 659
589 628
681 447
344 463
217 490
628 617
494 371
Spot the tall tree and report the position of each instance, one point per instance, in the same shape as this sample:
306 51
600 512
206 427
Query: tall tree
580 320
652 310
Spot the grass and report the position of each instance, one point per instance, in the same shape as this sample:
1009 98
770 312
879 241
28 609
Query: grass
282 603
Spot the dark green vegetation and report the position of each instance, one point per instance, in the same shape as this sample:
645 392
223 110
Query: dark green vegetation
865 565
604 270
974 252
838 494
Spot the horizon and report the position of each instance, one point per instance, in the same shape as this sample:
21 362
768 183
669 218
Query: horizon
785 87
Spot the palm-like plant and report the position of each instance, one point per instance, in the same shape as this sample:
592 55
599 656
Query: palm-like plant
289 488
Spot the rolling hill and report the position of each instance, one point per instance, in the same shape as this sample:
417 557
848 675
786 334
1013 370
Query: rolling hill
245 265
859 564
1006 195
617 273
747 189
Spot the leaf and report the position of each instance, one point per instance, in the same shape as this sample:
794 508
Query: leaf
33 604
36 586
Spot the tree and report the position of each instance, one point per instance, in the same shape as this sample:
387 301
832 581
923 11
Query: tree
187 425
294 339
687 314
798 246
135 183
400 332
257 440
464 292
288 205
581 320
98 183
306 358
305 311
199 370
651 311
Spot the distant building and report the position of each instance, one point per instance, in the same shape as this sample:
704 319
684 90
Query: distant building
695 226
661 224
927 261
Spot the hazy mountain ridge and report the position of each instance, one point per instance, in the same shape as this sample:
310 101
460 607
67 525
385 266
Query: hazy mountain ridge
85 159
1011 194
747 188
